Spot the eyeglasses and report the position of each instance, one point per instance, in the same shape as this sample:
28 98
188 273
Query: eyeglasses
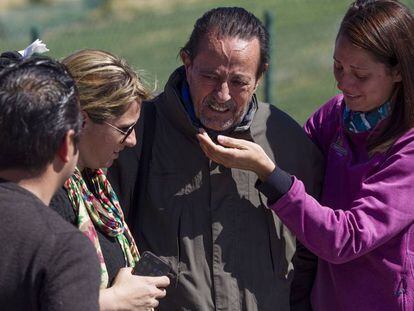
125 133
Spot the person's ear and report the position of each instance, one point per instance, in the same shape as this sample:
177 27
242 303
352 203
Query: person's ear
67 148
264 69
186 59
396 73
260 75
85 118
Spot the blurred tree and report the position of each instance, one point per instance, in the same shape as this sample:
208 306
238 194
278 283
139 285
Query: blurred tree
41 1
103 7
2 30
93 4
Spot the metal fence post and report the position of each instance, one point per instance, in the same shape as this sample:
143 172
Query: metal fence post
34 33
269 84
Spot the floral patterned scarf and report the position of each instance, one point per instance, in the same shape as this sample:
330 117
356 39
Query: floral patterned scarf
101 209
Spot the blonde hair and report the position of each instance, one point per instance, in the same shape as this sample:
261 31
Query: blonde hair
107 84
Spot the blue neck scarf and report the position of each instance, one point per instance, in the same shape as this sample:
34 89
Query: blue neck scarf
360 122
188 105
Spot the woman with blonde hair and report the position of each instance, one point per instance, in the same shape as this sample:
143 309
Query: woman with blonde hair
110 94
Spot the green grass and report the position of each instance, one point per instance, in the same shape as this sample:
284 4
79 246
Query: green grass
150 40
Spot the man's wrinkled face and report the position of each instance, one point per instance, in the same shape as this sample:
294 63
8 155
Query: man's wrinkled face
222 78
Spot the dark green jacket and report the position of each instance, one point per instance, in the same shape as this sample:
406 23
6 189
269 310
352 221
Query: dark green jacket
228 251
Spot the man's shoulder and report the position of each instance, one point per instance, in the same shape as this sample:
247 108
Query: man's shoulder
29 216
41 253
285 141
154 100
281 135
327 109
33 228
19 204
171 89
274 119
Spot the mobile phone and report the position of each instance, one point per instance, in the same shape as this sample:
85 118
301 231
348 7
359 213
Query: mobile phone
151 265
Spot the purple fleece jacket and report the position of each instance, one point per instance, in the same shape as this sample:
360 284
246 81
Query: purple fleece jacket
362 229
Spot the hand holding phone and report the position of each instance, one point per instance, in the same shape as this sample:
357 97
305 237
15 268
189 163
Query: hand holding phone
151 265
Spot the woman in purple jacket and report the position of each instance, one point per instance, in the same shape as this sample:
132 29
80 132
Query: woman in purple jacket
363 227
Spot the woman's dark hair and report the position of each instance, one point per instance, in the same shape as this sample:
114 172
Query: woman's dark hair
38 106
385 28
230 22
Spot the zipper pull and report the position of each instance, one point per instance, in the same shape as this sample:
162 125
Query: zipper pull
401 288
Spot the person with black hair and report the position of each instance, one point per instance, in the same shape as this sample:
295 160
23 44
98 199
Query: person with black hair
46 264
208 221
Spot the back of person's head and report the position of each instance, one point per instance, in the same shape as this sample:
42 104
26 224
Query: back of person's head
385 28
8 58
38 106
107 84
232 22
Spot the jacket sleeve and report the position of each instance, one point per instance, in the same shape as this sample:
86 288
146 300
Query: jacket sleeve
303 159
304 262
305 265
380 211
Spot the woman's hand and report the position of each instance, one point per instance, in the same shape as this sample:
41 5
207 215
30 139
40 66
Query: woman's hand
132 292
237 153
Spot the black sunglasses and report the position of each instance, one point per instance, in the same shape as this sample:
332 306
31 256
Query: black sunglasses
126 133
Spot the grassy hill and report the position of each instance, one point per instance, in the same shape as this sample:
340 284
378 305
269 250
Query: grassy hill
149 37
